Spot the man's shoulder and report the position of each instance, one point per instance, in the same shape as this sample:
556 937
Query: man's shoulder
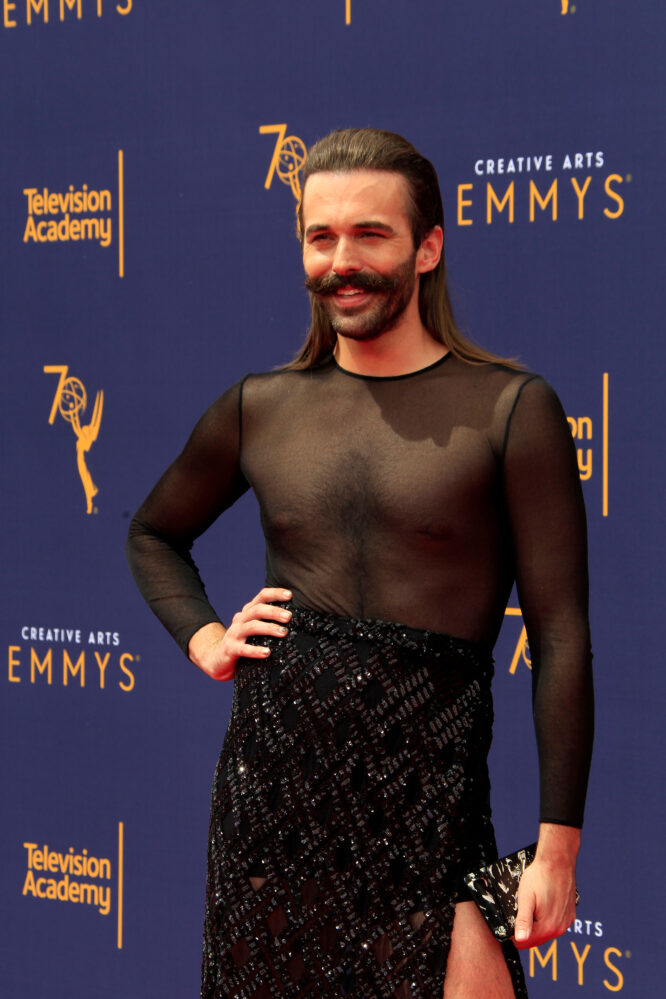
492 393
495 377
275 384
487 369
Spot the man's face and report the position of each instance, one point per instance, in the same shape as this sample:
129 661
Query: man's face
358 250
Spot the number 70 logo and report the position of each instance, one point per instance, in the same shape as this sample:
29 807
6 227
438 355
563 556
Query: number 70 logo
288 158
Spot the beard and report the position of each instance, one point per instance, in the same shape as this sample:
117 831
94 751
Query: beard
365 322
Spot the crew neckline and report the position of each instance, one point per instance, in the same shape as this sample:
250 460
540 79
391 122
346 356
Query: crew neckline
391 378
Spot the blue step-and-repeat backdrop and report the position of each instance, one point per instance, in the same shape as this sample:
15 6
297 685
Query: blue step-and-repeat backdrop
147 197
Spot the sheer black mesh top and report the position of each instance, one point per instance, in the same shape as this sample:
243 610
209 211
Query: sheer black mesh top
418 499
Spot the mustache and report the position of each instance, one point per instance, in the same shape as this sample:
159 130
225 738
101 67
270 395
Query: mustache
330 283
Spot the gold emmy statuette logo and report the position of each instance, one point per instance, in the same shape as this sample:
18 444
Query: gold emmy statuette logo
70 400
288 158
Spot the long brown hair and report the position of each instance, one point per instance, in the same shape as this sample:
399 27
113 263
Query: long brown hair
375 149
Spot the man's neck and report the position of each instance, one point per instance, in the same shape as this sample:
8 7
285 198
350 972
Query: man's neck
397 352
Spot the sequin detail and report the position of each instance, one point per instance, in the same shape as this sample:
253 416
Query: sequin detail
350 797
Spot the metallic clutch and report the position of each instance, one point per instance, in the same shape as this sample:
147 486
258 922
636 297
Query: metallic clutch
494 889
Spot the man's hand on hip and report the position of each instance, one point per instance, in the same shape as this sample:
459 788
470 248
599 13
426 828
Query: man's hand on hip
216 649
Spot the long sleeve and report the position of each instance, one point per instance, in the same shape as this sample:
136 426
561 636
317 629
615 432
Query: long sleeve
203 481
547 518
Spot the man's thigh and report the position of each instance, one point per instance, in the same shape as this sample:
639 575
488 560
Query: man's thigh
476 968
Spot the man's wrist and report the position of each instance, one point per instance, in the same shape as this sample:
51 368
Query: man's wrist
203 639
558 843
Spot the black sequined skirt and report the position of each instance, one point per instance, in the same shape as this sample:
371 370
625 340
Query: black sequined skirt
350 797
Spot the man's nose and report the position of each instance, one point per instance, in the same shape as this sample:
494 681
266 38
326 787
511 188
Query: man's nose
346 257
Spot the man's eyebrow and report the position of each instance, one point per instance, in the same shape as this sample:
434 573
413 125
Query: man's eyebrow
370 224
382 226
316 228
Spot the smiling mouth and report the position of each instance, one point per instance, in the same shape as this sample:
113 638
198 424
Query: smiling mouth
350 295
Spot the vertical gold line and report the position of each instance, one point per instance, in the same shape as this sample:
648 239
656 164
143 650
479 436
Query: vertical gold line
121 215
121 848
604 499
347 11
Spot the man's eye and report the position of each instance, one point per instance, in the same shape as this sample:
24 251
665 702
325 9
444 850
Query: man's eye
372 235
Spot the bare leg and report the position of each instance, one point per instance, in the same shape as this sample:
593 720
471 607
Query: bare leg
476 967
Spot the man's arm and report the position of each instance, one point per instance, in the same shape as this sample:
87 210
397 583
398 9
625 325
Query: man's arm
545 508
204 480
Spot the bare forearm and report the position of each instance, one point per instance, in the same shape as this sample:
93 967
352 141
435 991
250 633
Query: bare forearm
203 640
558 844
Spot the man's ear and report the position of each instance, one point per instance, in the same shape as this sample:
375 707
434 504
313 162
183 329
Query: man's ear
430 251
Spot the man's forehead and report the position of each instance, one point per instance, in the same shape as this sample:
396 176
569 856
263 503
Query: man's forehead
352 191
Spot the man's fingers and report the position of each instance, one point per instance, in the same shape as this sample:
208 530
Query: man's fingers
241 629
253 652
261 612
270 594
224 668
266 612
260 628
524 919
531 931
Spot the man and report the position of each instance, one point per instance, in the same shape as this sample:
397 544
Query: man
406 478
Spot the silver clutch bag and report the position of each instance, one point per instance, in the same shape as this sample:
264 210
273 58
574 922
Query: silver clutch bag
495 890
